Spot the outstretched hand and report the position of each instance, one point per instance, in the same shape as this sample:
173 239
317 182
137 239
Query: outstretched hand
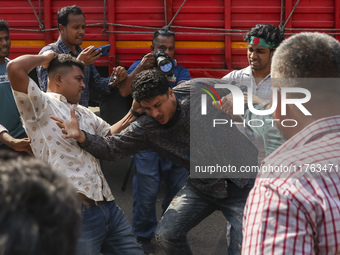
70 128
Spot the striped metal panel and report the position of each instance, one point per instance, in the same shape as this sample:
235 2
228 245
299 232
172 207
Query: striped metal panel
202 51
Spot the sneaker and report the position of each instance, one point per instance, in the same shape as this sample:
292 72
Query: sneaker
146 245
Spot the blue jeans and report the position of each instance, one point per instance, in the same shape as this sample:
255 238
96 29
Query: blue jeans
189 207
106 230
150 171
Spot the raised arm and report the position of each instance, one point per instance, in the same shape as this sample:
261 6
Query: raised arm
18 69
147 62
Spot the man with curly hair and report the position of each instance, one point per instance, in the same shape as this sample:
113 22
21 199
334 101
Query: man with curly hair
262 41
40 212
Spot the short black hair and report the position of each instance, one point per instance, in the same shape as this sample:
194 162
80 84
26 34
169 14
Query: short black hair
62 15
163 32
270 33
307 55
40 211
149 84
65 60
4 26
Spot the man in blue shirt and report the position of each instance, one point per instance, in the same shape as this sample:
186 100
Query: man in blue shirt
71 25
151 169
12 133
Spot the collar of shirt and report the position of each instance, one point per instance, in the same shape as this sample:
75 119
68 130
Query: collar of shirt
310 133
66 50
248 71
60 97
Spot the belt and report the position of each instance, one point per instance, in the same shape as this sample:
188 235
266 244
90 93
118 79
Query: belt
87 202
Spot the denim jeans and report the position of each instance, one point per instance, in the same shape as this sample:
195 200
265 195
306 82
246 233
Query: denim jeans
189 207
151 169
106 230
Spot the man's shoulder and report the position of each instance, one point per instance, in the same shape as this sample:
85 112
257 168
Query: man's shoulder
196 84
58 47
51 46
239 73
133 66
181 68
145 124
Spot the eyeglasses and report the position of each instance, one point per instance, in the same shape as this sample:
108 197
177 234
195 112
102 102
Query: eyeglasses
165 31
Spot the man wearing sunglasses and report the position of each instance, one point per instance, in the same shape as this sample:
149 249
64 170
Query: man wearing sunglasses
151 169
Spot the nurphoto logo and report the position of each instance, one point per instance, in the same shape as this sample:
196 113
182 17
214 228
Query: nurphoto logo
239 104
238 100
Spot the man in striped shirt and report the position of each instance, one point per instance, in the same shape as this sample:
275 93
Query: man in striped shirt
294 207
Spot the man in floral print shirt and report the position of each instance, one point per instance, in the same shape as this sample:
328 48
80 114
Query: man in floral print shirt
105 228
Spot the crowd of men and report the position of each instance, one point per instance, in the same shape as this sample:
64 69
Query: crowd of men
294 210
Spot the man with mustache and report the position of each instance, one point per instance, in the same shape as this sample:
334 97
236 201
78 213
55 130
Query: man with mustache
71 25
104 228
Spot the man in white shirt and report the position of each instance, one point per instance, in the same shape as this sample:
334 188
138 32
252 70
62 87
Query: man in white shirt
262 41
105 228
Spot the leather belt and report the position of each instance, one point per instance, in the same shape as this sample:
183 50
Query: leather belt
87 202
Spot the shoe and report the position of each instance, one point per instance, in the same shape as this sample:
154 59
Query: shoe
146 245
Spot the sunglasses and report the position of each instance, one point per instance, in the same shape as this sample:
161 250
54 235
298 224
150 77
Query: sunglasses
163 32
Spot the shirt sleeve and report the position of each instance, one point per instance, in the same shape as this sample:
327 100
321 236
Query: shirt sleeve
183 75
3 129
130 141
133 66
228 76
99 83
276 222
42 72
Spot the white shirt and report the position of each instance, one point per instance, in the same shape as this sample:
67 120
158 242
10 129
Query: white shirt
245 77
262 90
48 143
3 129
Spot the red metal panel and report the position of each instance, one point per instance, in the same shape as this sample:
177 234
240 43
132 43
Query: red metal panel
210 15
227 38
337 16
48 20
112 37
